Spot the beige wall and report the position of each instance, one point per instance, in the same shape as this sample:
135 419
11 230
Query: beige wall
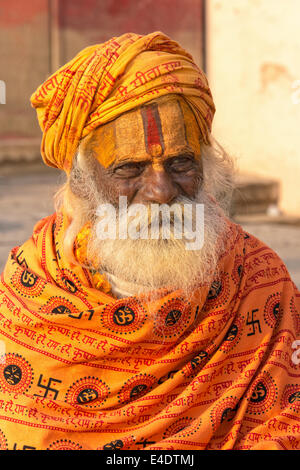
253 61
24 64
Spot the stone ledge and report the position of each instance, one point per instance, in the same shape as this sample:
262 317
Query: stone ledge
254 195
20 149
262 219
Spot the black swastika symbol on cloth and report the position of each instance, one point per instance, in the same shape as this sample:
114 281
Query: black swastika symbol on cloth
24 447
144 442
47 387
79 316
253 323
21 260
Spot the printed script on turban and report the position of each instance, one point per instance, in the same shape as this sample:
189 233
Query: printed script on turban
106 80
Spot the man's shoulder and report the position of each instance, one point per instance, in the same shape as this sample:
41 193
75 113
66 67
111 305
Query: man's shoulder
262 264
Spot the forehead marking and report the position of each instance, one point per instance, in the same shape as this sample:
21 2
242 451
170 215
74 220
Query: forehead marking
179 127
152 130
173 126
183 121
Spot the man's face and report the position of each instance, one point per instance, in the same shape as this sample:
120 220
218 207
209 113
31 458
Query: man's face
150 155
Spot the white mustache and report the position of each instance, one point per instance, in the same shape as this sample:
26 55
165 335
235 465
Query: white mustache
183 219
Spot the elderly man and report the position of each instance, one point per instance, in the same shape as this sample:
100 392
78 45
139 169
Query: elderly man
140 336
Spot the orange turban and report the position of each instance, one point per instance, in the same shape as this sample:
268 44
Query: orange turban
105 80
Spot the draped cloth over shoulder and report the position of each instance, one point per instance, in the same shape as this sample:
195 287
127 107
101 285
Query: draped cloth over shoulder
83 370
105 80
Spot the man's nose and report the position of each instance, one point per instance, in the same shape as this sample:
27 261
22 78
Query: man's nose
158 186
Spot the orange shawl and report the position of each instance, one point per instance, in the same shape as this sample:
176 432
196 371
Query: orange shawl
82 370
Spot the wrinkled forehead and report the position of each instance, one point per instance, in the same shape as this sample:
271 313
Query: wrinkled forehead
158 130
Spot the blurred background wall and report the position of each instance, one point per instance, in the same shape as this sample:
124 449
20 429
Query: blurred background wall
253 49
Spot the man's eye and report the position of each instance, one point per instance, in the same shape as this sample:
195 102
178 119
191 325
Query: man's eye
181 165
128 169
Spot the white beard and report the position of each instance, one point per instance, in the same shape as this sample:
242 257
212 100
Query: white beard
145 265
